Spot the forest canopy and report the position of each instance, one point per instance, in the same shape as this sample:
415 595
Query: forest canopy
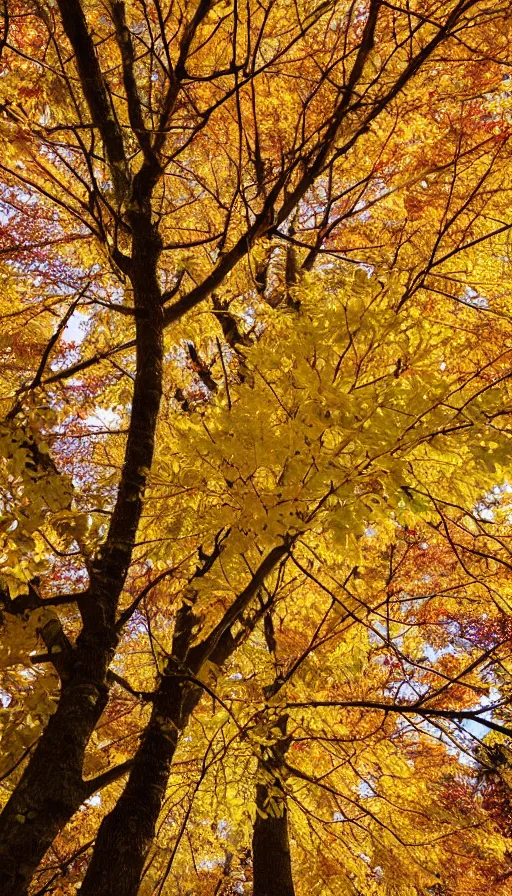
256 448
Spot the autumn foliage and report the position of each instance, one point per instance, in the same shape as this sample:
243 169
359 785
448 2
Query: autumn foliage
255 531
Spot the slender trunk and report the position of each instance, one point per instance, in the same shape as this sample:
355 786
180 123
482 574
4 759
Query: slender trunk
272 867
51 788
126 833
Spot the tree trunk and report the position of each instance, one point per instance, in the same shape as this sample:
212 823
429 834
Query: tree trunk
272 867
50 791
126 833
51 788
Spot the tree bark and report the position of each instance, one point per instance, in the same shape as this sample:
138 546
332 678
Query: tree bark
51 788
272 866
49 792
126 833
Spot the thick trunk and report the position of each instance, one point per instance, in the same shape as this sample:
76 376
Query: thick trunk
50 791
51 788
272 867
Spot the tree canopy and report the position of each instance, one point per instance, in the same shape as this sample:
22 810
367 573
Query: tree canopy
255 531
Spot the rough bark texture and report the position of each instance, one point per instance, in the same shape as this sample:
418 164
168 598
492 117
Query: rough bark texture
49 792
126 833
272 867
47 796
51 788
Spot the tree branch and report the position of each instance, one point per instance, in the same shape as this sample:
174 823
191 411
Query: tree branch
113 774
454 715
125 45
96 92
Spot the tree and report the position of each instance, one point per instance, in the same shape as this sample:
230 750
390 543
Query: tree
288 386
